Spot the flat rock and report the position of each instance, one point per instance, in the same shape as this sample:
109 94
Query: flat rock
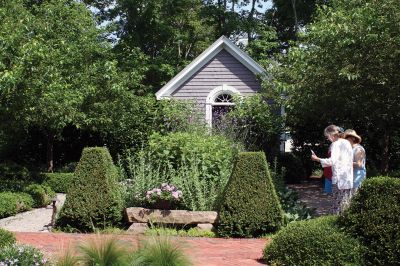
138 228
206 227
143 215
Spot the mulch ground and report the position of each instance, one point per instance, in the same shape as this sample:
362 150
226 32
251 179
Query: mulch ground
201 251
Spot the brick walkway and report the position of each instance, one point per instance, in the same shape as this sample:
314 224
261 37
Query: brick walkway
202 251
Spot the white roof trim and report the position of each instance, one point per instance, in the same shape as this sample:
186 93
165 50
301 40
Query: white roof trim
205 57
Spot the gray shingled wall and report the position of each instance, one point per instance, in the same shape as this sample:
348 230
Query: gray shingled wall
222 69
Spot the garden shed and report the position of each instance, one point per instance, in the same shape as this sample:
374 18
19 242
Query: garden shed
222 70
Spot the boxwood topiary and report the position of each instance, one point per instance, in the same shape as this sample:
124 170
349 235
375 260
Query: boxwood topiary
6 238
313 242
59 182
94 199
374 217
249 205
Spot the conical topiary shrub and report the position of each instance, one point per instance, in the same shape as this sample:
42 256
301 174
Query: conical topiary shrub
94 199
250 206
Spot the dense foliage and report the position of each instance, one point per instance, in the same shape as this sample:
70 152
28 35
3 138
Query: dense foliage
314 242
374 218
20 255
249 206
42 195
58 182
94 199
12 203
343 71
196 163
6 238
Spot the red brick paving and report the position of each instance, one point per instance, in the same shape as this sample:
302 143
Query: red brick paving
202 251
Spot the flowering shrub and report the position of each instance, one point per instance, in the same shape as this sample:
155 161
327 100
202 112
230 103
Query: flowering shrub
19 255
167 193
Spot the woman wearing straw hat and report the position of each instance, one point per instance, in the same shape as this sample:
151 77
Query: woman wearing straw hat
359 170
341 160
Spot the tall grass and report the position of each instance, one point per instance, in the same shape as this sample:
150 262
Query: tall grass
200 191
160 251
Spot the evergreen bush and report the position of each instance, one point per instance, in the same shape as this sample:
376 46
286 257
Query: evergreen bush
6 238
314 242
12 203
94 199
249 206
59 182
42 195
294 169
374 217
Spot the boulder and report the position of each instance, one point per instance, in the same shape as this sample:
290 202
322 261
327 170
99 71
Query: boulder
138 228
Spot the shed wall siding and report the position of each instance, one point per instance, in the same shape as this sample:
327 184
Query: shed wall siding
222 69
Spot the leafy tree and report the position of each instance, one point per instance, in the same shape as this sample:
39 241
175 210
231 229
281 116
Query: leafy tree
345 72
289 16
51 59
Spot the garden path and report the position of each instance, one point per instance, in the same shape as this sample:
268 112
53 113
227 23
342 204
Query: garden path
201 251
311 193
36 220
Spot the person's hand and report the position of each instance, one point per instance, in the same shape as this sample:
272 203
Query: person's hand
314 158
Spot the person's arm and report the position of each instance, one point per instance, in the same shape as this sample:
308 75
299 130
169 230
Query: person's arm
335 153
358 158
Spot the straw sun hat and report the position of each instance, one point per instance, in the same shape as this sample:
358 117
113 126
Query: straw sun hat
352 133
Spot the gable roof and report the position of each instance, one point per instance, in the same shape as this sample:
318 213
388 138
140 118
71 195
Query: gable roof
222 43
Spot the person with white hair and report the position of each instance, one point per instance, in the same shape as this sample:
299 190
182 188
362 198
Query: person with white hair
341 161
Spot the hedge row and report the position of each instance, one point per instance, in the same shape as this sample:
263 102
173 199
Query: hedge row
58 182
12 203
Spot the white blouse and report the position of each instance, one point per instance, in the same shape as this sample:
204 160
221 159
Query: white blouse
341 161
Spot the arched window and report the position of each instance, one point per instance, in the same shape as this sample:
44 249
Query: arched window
219 103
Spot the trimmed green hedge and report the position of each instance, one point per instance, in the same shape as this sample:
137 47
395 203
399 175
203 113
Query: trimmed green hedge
42 195
374 217
249 206
94 199
314 242
6 238
12 203
59 182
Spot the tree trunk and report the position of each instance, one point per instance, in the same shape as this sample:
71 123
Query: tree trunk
385 153
296 23
49 155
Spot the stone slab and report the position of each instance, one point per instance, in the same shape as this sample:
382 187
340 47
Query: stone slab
143 215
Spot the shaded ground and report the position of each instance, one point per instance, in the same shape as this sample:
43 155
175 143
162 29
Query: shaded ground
202 251
311 193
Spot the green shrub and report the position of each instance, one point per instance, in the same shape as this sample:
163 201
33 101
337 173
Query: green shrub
11 170
12 203
250 206
21 255
59 182
6 238
94 199
294 170
42 195
314 242
213 153
200 182
374 217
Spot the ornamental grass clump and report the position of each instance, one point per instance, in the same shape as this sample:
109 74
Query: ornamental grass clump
167 195
250 206
6 238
